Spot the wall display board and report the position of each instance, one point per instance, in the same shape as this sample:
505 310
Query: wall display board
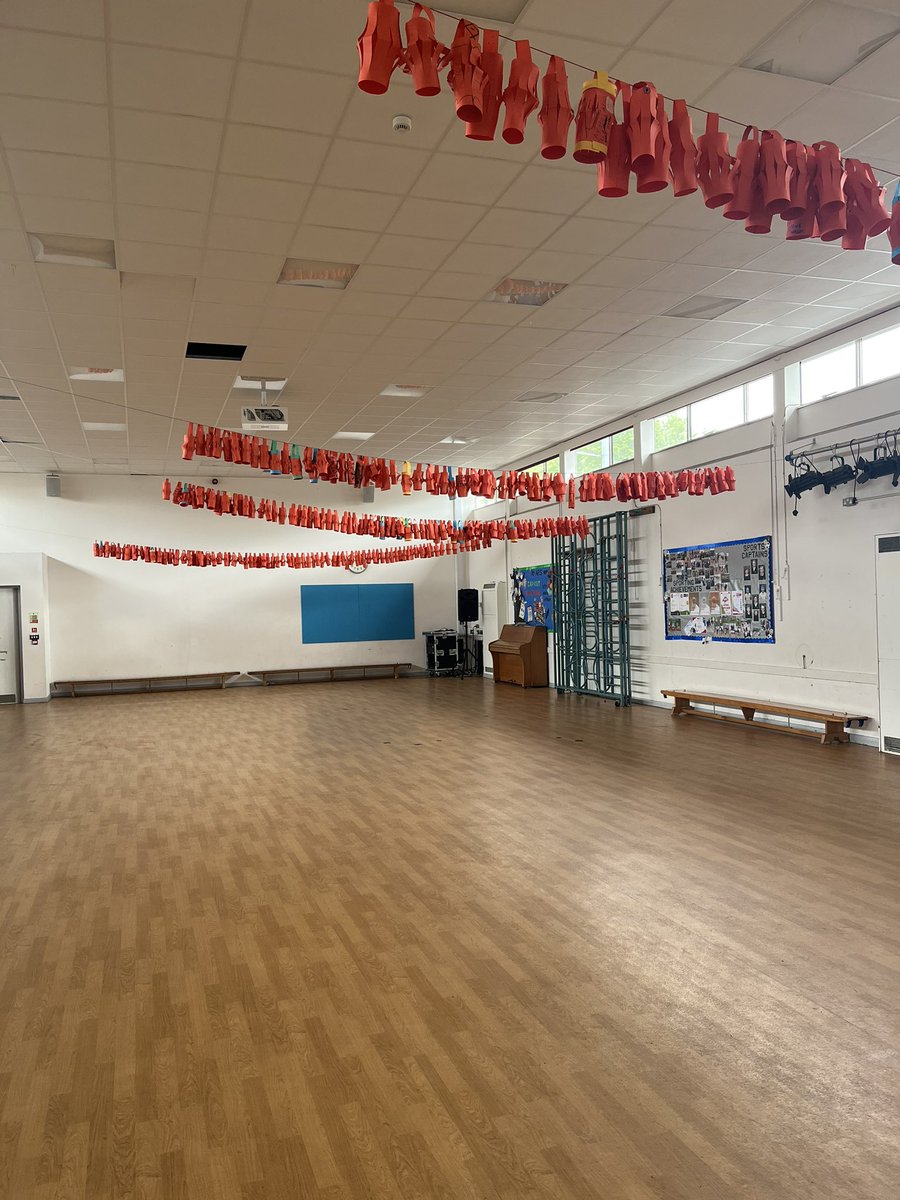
357 612
532 595
722 592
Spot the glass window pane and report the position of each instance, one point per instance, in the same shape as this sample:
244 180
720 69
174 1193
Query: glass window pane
717 412
761 398
592 457
623 445
828 374
880 356
670 430
549 466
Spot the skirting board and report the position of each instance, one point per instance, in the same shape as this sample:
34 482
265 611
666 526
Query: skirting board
36 700
858 736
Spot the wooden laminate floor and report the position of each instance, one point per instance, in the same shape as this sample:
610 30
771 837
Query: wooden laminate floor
437 939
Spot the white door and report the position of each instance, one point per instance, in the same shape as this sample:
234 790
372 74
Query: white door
9 647
887 594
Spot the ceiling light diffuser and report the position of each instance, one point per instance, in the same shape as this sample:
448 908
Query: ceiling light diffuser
533 292
104 426
349 436
73 251
409 391
98 374
307 272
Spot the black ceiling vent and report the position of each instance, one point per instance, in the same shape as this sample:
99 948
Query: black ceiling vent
215 351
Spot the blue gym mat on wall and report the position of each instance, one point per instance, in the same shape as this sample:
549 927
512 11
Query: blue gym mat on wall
357 612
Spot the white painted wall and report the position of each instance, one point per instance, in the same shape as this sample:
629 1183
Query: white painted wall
115 619
28 572
824 562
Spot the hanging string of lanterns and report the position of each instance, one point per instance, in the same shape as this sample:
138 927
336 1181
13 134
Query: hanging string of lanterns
271 561
354 524
333 466
815 192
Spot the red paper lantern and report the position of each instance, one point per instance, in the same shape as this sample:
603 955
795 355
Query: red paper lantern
653 173
380 48
483 129
801 163
863 191
829 177
595 117
746 160
556 112
423 52
759 219
614 171
773 172
683 154
520 96
466 77
643 125
715 166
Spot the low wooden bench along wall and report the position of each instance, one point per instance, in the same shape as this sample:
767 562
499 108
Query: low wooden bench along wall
70 688
835 722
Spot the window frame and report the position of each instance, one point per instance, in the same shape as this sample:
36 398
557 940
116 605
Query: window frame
608 438
857 361
688 408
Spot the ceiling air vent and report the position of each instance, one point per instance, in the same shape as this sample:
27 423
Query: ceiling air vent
215 351
307 272
533 292
889 545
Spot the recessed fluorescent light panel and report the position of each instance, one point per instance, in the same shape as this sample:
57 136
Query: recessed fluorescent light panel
533 292
104 426
98 374
73 251
824 41
348 436
540 397
406 391
454 441
307 272
704 308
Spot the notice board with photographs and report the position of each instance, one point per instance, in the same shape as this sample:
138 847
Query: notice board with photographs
532 595
722 591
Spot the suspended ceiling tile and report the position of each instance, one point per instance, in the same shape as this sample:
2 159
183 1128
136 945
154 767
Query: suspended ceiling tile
161 186
52 66
272 153
272 199
717 33
209 25
54 125
170 81
289 99
179 141
331 245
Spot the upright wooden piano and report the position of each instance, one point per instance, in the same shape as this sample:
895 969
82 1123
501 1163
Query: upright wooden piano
520 655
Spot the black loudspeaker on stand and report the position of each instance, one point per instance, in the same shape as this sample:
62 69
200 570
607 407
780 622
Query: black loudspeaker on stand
467 605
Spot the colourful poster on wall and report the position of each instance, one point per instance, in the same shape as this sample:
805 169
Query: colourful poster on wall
722 592
532 595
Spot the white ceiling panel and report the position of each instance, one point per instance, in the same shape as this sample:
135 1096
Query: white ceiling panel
239 137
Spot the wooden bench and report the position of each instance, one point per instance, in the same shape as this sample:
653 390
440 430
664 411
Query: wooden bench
138 683
208 679
280 675
835 722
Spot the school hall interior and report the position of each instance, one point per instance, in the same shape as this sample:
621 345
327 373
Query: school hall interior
449 600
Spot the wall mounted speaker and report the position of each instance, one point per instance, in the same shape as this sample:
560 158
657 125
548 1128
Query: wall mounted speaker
53 485
467 604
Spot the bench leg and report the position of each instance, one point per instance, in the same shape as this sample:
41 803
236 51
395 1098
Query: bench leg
749 713
682 705
834 734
